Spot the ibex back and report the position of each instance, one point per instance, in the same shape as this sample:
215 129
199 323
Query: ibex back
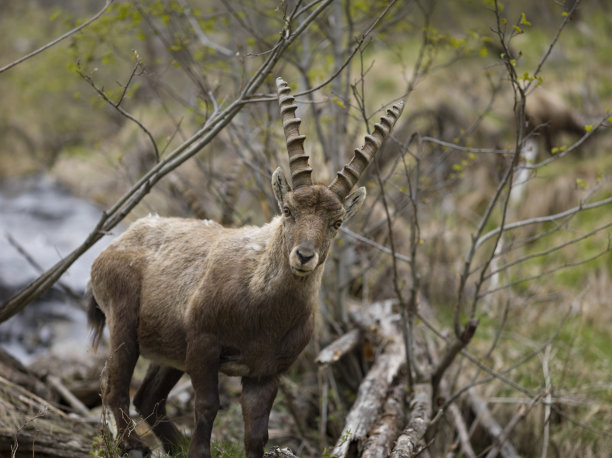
195 297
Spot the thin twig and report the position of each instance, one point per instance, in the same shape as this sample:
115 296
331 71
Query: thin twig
547 401
548 251
117 105
505 433
204 40
72 294
566 19
542 219
462 432
57 40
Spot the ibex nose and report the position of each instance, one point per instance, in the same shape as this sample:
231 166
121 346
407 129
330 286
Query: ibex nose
305 255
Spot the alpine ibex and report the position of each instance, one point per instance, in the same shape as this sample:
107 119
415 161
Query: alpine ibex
195 297
549 115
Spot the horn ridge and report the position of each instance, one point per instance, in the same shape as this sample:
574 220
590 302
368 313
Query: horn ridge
350 173
298 159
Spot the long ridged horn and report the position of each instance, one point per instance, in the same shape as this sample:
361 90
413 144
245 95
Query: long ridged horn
349 175
298 159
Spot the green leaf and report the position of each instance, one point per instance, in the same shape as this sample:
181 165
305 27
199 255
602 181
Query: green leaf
338 102
588 127
524 20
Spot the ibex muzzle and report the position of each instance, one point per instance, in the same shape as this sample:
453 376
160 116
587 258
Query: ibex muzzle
197 298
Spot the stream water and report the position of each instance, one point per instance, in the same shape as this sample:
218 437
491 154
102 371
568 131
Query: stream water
45 222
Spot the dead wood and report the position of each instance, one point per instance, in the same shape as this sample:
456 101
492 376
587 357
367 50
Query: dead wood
370 400
503 436
483 415
339 347
277 452
407 444
32 426
462 432
379 318
67 395
388 425
13 370
79 375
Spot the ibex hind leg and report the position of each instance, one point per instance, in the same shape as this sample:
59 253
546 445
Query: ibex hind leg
120 368
150 401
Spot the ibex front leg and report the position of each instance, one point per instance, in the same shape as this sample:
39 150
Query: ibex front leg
202 365
257 399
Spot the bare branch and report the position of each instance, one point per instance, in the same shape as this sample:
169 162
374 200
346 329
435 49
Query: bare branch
57 40
547 401
204 40
117 105
483 415
462 432
503 435
542 219
356 48
567 17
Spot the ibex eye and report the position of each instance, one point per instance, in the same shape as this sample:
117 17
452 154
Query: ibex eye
337 224
286 211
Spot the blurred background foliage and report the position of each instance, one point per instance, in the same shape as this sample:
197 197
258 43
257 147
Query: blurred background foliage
170 62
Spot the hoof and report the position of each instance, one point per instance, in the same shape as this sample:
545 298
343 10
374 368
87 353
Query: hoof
138 453
135 449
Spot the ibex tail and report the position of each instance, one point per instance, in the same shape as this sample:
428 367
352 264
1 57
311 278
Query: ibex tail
95 319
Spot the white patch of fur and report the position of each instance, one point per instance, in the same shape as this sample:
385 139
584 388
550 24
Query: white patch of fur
254 246
111 424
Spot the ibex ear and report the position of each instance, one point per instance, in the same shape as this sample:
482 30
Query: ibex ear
279 186
353 202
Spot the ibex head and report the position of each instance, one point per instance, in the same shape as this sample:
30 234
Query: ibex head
313 213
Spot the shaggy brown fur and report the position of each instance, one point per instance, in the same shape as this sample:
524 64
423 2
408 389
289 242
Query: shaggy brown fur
548 115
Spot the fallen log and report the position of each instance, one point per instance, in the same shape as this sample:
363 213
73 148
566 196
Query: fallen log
31 426
68 396
407 444
339 347
370 400
12 369
388 426
80 375
277 452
